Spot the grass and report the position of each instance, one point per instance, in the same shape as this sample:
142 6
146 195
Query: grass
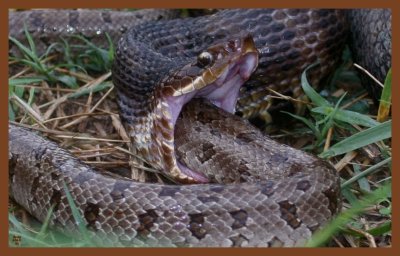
329 117
70 96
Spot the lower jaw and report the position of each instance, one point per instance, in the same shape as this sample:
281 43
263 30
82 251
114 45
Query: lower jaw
229 95
223 96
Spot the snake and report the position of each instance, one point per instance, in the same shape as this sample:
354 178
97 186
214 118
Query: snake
179 83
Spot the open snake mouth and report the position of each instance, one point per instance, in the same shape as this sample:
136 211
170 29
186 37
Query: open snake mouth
222 91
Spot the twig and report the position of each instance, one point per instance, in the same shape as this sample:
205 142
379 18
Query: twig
369 74
345 160
367 235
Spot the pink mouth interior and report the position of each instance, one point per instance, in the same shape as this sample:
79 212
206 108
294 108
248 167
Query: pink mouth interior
223 93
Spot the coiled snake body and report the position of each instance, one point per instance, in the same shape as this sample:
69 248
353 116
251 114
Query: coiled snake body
279 195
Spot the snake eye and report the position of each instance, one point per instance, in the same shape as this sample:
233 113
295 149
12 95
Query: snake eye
204 59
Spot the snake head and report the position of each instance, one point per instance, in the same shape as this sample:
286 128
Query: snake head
216 73
213 66
218 60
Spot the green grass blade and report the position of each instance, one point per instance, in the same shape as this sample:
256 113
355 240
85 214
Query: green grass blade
306 122
18 90
16 224
329 122
24 50
361 139
31 96
17 229
46 222
48 50
24 81
36 65
366 172
347 116
309 91
382 229
386 97
31 42
11 113
69 81
106 56
77 216
111 50
320 237
387 89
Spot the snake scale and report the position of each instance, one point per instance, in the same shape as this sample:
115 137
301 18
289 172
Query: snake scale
278 196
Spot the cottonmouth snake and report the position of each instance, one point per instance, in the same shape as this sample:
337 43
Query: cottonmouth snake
286 195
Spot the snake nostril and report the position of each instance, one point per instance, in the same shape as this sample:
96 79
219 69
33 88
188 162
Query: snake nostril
231 46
